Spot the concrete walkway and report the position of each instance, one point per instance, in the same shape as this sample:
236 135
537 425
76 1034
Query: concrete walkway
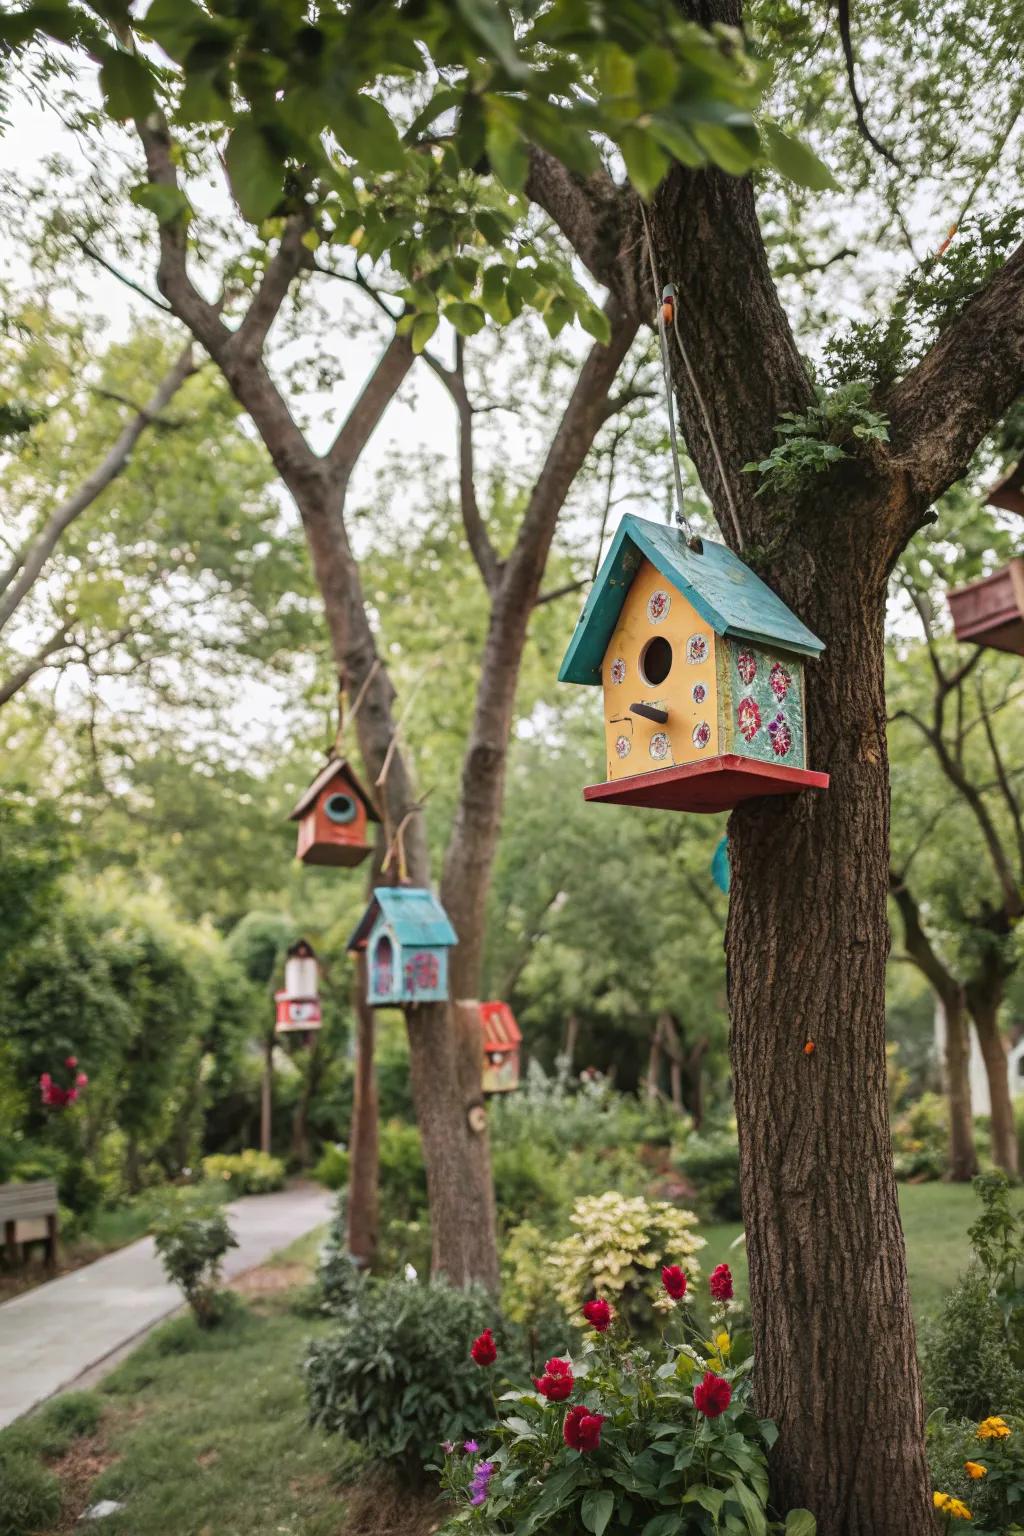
50 1335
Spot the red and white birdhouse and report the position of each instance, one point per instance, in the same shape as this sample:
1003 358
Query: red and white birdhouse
990 611
333 816
298 1003
502 1039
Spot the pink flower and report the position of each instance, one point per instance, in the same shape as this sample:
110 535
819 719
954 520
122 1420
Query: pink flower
71 1062
673 1278
82 1079
720 1284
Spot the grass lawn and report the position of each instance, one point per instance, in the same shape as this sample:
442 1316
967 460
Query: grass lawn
935 1221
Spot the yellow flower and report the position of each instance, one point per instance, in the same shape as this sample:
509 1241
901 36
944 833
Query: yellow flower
994 1428
975 1469
955 1508
723 1344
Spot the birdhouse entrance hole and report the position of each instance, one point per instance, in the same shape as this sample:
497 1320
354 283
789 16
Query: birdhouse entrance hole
656 661
383 967
341 809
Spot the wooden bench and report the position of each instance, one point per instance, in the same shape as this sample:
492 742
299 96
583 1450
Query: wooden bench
29 1202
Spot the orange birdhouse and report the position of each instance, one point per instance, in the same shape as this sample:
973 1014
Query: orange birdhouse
332 815
990 612
502 1039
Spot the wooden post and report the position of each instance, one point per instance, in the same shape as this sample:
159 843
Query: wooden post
363 1140
267 1095
51 1242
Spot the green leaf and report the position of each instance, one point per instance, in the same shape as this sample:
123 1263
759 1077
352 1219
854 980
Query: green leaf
255 171
466 318
557 316
168 203
366 131
725 147
596 1509
492 25
664 1525
423 328
506 148
646 162
708 1498
595 322
800 1522
753 1513
796 161
677 139
126 85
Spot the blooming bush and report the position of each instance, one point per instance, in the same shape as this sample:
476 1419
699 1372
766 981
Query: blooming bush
246 1173
57 1095
978 1473
617 1253
192 1236
621 1438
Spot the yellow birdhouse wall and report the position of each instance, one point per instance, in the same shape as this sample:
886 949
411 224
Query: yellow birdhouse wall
653 616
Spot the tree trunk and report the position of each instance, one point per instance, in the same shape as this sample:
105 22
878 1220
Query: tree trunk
693 1065
300 1115
963 1158
984 1007
807 941
363 1202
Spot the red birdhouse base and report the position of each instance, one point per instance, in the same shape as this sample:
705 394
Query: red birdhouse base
715 785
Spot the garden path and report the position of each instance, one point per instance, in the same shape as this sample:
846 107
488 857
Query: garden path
50 1335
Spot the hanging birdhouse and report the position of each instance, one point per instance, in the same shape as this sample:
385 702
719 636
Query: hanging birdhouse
990 612
332 815
702 669
502 1040
298 1003
406 935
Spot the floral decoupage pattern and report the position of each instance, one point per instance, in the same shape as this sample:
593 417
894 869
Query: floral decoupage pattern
765 715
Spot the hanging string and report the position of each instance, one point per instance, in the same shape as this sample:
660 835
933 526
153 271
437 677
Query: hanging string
360 696
668 302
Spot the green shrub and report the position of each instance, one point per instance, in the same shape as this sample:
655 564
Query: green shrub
396 1377
332 1169
920 1138
530 1183
338 1279
712 1164
403 1173
996 1498
245 1173
192 1236
29 1495
967 1364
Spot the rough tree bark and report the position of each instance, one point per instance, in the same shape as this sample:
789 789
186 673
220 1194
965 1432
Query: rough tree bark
363 1201
984 999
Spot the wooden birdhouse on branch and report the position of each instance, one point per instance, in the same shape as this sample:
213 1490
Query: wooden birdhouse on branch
406 935
332 815
990 611
702 668
298 1002
502 1039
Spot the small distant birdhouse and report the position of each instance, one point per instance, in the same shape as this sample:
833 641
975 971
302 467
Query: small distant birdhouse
298 1003
332 815
502 1040
406 935
702 668
990 612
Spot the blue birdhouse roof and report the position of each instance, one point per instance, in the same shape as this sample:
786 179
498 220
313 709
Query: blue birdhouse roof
415 916
723 590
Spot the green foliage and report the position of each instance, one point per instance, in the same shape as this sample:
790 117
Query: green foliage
812 441
711 1162
33 856
333 1168
403 1174
995 1497
246 1173
658 1465
192 1236
396 1376
29 1495
54 1428
920 1138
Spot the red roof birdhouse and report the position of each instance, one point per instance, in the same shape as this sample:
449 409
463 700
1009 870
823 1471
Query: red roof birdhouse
502 1039
990 611
298 1005
332 815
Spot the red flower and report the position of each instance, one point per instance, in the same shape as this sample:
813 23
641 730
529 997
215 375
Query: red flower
557 1382
81 1080
582 1429
673 1278
598 1314
484 1350
713 1396
720 1284
71 1062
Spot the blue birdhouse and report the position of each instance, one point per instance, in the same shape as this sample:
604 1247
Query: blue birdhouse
406 935
702 670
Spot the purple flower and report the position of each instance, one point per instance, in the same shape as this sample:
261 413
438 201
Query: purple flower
470 1447
482 1475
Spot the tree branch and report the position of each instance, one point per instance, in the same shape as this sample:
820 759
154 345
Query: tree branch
941 410
1002 777
477 537
280 273
593 215
858 105
24 570
377 394
25 673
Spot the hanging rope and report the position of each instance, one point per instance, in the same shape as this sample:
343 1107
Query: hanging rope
669 311
360 696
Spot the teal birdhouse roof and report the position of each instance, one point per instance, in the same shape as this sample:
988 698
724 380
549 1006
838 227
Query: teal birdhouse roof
723 590
415 917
